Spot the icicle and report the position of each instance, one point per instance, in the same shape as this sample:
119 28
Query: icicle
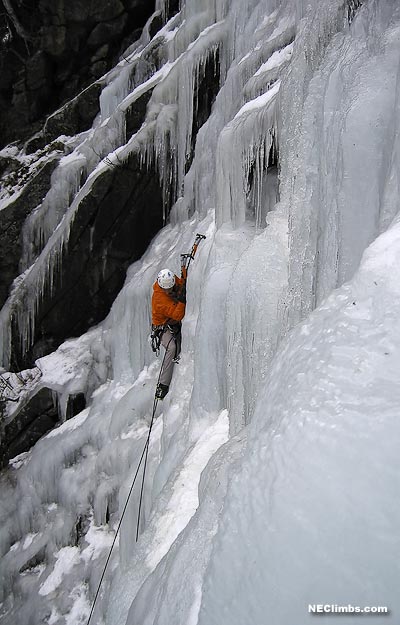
172 140
242 148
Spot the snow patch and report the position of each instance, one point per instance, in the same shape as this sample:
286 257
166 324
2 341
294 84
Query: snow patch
66 559
99 539
184 500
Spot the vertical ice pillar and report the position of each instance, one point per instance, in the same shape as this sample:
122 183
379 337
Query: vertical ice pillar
243 151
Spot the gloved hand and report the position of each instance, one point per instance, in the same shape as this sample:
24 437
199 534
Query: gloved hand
181 297
155 338
179 294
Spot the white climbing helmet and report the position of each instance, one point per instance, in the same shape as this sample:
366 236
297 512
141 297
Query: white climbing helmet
166 279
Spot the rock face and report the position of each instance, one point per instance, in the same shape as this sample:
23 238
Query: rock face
125 208
125 204
112 228
33 421
52 49
113 225
12 218
75 116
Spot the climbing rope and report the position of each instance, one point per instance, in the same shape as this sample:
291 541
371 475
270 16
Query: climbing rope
146 447
143 478
144 454
115 537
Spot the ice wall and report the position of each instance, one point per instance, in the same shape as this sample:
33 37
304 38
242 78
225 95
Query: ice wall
273 470
340 166
312 516
309 515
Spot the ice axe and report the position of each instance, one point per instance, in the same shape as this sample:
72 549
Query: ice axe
186 259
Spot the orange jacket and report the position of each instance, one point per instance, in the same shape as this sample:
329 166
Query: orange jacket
163 307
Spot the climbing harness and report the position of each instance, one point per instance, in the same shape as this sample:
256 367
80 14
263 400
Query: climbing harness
157 332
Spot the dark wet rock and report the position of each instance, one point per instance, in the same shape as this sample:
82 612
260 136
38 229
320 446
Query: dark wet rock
38 71
57 63
35 415
75 116
75 35
77 11
34 144
33 420
100 54
105 32
38 143
98 69
154 55
53 40
136 114
133 5
105 10
155 24
113 226
173 7
8 164
75 405
12 218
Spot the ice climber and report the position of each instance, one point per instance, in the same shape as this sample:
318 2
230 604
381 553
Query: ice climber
168 309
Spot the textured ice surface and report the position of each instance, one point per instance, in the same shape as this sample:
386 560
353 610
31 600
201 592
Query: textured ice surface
273 470
313 515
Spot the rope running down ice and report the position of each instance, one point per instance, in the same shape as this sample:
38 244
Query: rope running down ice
144 453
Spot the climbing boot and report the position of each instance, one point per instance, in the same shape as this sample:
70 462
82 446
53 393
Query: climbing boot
162 390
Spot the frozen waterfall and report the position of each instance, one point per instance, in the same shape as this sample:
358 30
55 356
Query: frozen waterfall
273 472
